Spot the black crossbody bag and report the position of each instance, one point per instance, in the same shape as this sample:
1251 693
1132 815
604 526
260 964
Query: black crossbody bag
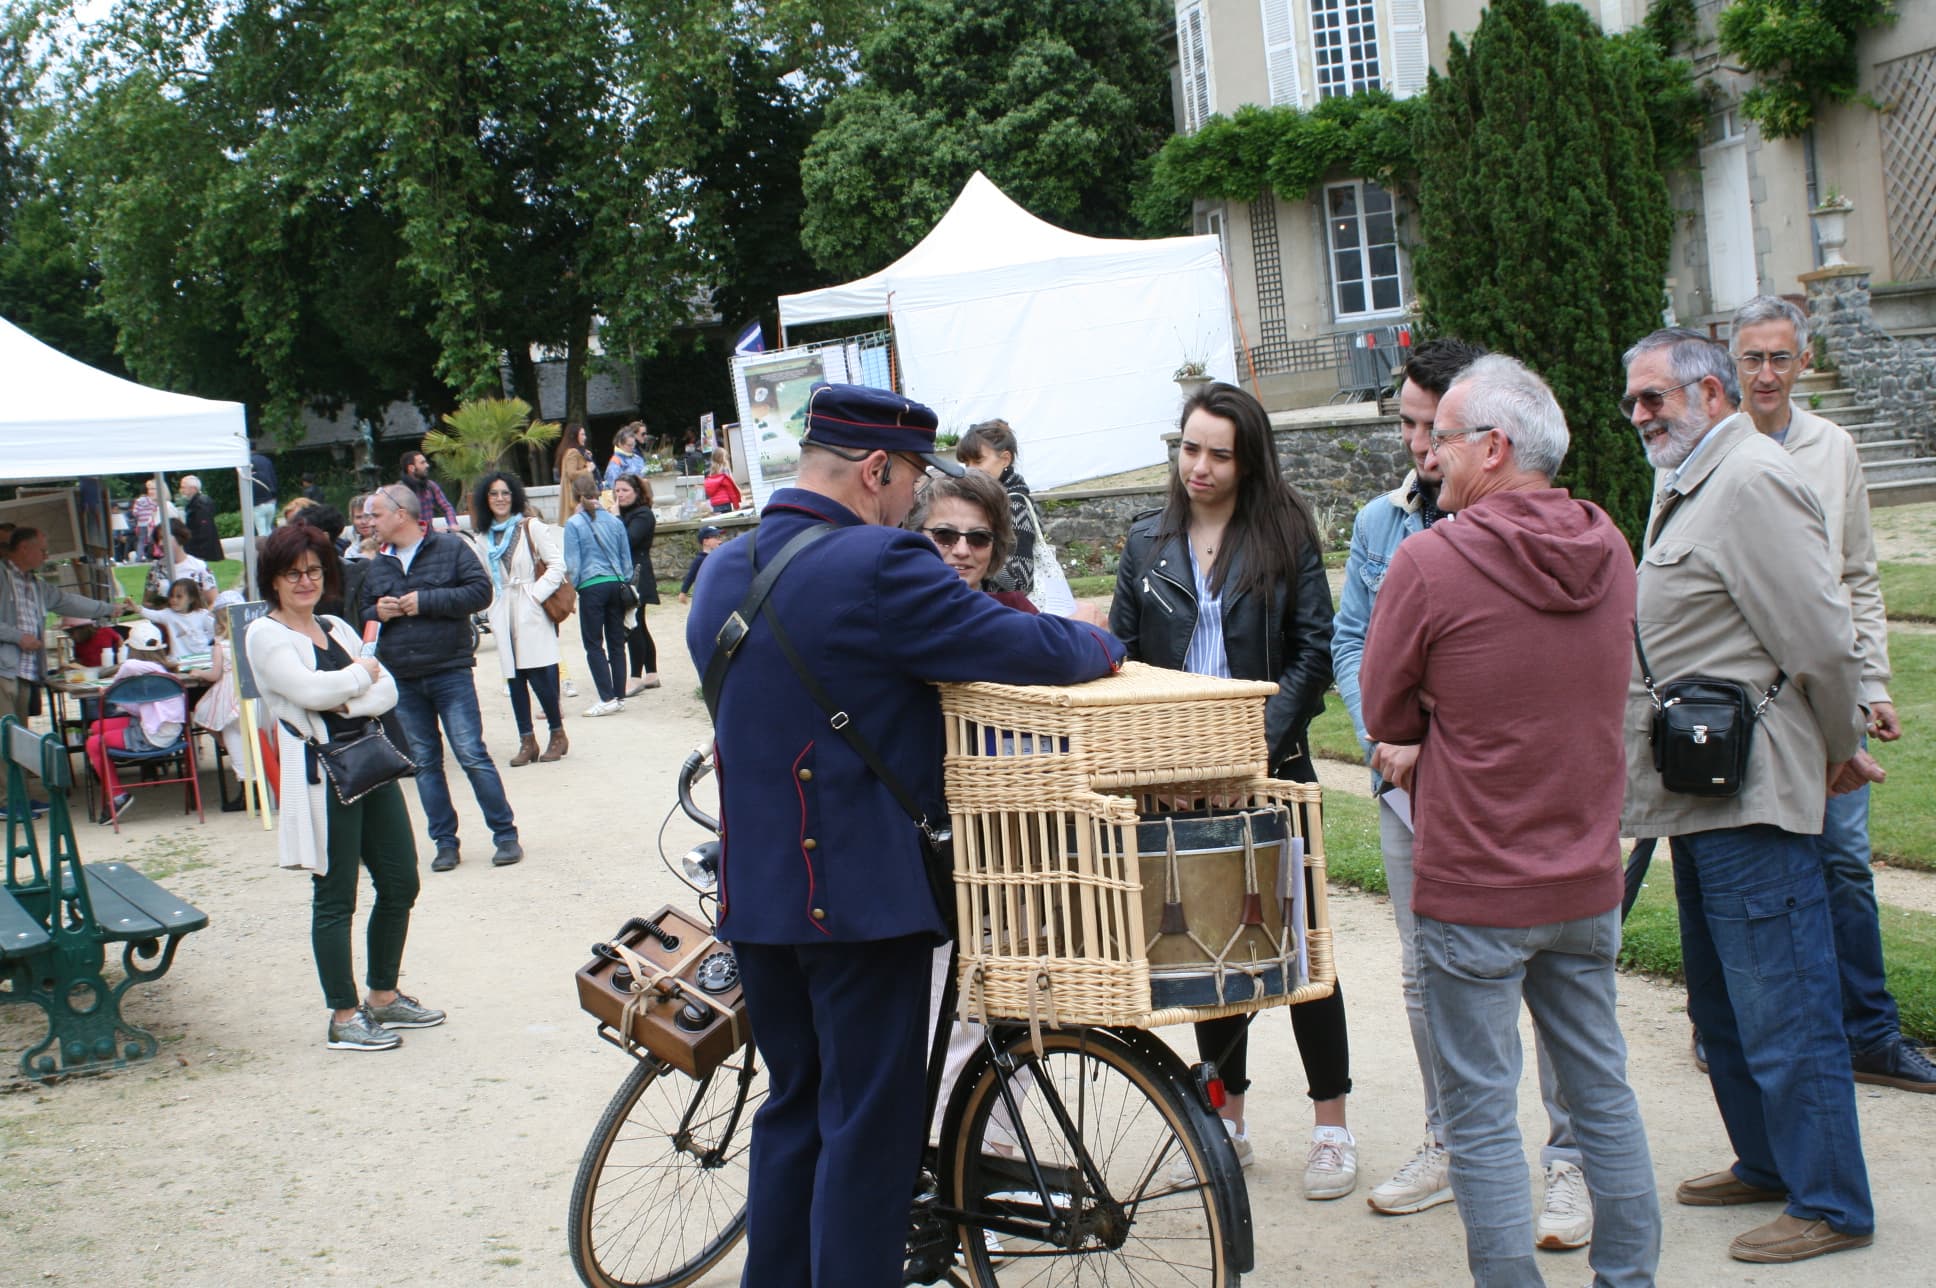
1703 728
937 839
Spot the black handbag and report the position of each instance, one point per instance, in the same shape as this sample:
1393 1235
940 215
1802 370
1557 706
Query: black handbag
1702 729
356 764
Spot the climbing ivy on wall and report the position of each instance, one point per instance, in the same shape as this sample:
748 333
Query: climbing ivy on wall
1801 52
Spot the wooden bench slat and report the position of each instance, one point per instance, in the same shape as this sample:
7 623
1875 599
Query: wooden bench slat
21 933
175 915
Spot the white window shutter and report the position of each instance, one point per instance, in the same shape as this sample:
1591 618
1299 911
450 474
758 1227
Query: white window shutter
1193 47
1280 53
1411 53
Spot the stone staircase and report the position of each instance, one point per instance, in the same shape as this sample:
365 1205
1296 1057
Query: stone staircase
1899 470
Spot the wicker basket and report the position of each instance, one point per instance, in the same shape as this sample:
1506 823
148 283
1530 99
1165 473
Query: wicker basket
1047 786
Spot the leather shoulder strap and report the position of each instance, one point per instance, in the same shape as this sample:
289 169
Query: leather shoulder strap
733 632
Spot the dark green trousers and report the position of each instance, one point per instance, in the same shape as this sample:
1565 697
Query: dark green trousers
374 833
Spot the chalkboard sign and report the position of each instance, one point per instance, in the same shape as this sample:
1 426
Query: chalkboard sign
240 618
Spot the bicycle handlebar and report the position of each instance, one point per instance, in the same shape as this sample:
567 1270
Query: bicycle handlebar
698 763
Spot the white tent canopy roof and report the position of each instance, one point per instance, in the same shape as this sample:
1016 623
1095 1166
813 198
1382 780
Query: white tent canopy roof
63 419
983 232
1071 339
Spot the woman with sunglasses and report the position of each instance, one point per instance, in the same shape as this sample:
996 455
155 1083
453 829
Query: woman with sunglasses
514 545
967 519
1227 579
314 685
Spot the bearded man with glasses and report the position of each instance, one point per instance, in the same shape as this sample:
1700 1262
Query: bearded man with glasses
1738 582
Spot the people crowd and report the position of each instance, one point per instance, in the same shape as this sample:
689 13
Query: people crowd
1496 648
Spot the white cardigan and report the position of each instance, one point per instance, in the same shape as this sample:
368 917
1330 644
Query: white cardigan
526 637
292 689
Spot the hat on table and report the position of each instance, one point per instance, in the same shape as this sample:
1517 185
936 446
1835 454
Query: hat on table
145 635
862 418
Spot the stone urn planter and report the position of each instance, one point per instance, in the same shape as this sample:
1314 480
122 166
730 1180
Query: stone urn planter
1831 220
1190 378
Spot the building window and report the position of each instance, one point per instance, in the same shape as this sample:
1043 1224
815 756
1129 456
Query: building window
1361 233
1344 46
1193 49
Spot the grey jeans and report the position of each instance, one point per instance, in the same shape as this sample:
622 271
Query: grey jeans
1396 840
1474 980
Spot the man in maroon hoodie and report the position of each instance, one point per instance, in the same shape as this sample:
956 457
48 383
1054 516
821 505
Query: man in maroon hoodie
1494 678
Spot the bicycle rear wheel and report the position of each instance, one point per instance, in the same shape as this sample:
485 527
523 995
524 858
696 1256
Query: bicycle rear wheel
1155 1220
661 1192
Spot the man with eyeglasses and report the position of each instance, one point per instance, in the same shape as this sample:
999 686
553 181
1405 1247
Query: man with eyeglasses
1424 1181
1771 350
823 890
423 587
1738 581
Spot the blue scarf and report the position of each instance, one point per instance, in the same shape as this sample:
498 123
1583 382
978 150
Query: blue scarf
503 533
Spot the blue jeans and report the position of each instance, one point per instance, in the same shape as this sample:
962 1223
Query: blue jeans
1396 842
451 697
1474 980
1759 951
1869 1016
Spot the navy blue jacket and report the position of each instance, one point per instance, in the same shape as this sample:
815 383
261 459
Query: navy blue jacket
451 584
815 848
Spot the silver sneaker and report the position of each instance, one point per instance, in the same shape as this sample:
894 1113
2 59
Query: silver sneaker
361 1032
1423 1182
1331 1168
1566 1219
1182 1173
405 1013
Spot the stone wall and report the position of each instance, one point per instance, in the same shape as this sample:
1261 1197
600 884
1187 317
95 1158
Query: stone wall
1896 373
1339 458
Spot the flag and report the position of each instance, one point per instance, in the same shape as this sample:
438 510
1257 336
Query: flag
750 340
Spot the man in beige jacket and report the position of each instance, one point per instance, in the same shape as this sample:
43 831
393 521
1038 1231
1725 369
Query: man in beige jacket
1737 581
1770 349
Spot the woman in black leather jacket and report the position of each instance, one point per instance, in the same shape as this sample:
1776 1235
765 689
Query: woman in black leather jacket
1227 579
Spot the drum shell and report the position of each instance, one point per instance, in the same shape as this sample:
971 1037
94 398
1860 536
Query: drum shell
1237 948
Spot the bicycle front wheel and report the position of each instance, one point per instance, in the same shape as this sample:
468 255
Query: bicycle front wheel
1128 1193
661 1192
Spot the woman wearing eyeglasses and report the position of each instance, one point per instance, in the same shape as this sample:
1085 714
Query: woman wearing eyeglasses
1227 579
315 685
514 543
967 519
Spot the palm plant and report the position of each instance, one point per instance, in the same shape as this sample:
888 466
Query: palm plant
479 433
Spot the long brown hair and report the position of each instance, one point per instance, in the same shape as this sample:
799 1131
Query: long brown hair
1271 520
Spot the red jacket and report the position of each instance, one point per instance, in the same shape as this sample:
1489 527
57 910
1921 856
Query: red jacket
721 490
1517 620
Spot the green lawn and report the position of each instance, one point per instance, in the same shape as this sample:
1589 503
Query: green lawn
1902 811
134 577
1909 589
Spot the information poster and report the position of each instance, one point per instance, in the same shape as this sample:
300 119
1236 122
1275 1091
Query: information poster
772 391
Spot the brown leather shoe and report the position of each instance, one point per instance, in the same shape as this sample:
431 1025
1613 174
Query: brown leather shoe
527 751
1723 1189
1789 1238
557 747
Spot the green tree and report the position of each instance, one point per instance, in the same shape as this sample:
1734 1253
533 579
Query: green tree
1060 104
475 437
1545 223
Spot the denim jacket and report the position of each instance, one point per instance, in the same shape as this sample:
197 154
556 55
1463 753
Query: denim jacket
597 546
1383 522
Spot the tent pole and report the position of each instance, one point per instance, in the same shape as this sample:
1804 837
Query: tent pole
163 501
245 492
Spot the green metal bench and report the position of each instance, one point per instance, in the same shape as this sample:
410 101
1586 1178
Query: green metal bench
57 918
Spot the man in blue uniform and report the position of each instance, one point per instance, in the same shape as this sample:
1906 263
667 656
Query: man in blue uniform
823 892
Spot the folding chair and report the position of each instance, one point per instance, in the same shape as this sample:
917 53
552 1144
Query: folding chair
150 688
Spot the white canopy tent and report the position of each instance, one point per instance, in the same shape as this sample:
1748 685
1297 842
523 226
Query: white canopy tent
1071 339
64 419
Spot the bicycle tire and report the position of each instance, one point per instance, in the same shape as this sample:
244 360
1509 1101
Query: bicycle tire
649 1210
1135 1123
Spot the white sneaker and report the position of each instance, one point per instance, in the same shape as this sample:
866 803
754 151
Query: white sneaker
1566 1220
1331 1168
601 709
571 690
1425 1181
1182 1173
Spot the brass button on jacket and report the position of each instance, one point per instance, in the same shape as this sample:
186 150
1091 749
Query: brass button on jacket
806 775
809 844
819 914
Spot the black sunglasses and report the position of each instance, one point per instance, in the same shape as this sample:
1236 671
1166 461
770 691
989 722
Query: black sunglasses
947 538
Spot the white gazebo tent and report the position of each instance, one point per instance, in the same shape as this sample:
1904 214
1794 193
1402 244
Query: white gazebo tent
1073 340
63 419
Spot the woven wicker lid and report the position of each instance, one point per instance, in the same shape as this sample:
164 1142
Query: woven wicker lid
1136 684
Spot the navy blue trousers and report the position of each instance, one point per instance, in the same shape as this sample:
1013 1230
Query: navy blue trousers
843 1029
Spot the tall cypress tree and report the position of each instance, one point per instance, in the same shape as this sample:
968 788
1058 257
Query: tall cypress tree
1545 223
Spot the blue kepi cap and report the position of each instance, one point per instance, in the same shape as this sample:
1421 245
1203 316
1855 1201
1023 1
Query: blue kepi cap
860 417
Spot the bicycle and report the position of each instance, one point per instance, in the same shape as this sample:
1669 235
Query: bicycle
1084 1155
